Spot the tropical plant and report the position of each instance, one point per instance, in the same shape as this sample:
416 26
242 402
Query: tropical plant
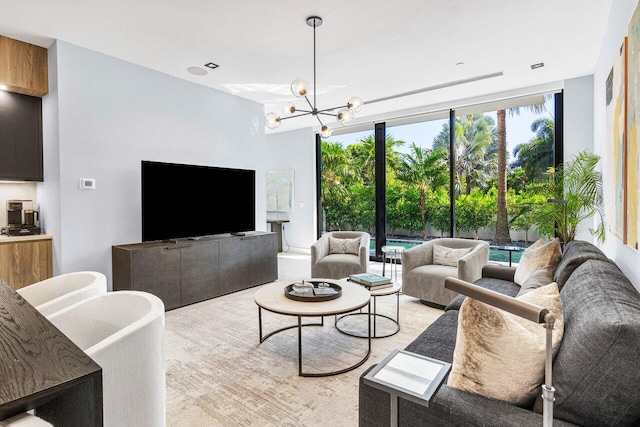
502 222
574 190
536 155
363 155
475 151
425 170
474 211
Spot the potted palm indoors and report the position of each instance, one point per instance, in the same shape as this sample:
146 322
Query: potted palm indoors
574 191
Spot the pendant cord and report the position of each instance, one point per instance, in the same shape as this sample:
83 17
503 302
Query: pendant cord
314 65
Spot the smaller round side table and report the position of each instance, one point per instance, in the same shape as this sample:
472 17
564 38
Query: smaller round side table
390 290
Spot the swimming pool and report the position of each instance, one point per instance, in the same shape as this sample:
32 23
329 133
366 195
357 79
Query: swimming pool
495 253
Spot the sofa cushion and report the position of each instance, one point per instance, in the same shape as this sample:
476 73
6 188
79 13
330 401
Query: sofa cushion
439 339
501 355
575 253
538 278
443 255
537 256
597 369
344 246
502 286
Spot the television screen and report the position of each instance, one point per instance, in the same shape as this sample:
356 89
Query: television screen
190 201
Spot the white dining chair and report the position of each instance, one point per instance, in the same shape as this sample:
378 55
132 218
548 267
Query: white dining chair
123 332
64 290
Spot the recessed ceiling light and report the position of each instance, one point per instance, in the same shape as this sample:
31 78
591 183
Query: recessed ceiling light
211 65
538 65
197 71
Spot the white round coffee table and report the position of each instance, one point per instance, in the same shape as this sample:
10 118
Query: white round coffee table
271 297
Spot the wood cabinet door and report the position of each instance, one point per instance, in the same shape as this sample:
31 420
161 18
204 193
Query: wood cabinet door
25 263
264 252
235 264
199 278
157 271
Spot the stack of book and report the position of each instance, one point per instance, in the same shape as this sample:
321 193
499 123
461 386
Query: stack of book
371 280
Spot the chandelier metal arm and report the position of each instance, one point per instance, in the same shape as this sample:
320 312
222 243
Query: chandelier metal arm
330 109
313 107
327 114
305 113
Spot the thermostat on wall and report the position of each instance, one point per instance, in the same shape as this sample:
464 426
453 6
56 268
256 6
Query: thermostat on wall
87 183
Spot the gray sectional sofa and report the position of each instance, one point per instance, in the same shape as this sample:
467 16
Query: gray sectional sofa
596 370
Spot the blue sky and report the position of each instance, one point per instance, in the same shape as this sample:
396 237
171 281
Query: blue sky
518 130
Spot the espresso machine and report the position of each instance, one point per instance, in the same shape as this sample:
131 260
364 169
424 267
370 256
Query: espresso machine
22 218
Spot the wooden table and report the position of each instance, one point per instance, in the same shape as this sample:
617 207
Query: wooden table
41 369
271 298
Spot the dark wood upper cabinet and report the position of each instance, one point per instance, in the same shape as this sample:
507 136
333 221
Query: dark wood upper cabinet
20 137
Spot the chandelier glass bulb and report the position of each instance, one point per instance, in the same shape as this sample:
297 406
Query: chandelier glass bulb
299 87
272 120
355 104
288 109
345 116
325 132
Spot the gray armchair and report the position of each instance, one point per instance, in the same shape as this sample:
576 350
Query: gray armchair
339 265
423 279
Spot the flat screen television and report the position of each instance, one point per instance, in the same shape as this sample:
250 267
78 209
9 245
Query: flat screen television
191 201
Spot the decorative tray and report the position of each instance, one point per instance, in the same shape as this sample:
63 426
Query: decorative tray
313 290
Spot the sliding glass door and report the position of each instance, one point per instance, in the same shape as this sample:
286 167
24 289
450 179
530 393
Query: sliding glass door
489 187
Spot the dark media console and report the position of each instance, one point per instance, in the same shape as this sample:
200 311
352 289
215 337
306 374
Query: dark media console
189 271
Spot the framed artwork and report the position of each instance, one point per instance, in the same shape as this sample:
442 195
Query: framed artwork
633 125
280 191
616 145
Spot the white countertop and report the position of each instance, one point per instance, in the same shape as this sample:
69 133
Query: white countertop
12 239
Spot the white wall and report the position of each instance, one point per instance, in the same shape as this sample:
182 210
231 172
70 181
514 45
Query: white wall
625 257
578 131
111 115
296 150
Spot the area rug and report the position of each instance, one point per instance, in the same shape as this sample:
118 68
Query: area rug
218 374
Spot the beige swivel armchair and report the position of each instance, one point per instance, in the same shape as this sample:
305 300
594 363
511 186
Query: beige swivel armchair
423 279
335 255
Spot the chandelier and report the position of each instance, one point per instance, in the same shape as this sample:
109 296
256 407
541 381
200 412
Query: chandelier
300 89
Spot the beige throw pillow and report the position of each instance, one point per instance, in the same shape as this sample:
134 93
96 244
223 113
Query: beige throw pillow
537 256
500 355
344 246
443 255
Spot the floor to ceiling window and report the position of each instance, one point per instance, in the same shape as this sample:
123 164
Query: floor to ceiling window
347 182
503 152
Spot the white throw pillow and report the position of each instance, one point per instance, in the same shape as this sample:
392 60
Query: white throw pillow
537 256
444 255
500 355
344 246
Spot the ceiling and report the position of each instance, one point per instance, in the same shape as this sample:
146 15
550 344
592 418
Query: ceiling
370 48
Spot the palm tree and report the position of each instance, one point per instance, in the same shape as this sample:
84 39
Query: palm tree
502 220
537 155
426 170
475 137
363 154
